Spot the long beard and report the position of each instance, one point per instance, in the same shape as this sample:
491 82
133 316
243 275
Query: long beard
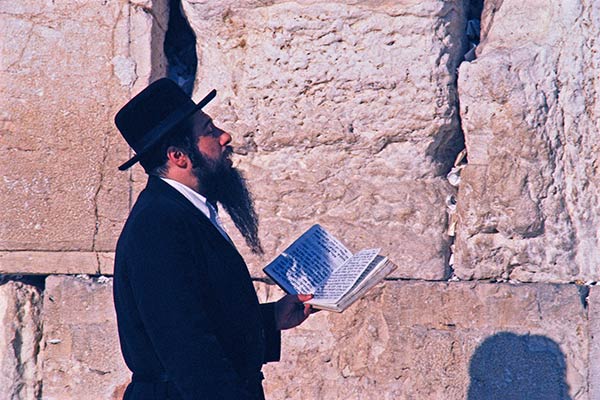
222 183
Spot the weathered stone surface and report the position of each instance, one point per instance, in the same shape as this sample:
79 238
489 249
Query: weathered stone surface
20 335
46 262
527 205
65 71
106 262
594 355
343 113
81 355
440 341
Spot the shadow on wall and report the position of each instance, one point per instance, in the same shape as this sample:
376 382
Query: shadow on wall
524 367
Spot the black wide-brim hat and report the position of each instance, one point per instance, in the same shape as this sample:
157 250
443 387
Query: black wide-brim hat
153 113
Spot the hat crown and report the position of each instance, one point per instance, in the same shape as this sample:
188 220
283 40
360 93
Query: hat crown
149 109
153 113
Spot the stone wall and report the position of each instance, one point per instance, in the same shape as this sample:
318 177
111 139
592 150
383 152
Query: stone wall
66 70
528 204
438 340
404 340
20 337
80 347
347 113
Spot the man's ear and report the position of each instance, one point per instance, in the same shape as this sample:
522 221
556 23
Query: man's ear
177 157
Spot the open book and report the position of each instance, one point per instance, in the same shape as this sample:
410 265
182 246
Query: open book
319 264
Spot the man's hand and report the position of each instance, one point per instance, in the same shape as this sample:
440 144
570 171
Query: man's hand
290 310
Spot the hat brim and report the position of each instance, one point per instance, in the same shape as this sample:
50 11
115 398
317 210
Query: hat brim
165 128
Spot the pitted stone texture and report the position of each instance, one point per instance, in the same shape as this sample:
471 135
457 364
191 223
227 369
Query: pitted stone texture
343 113
426 341
528 204
20 336
66 70
356 211
82 358
594 355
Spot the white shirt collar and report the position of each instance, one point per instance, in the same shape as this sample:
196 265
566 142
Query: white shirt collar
201 203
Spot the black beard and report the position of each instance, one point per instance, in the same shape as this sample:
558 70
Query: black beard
220 182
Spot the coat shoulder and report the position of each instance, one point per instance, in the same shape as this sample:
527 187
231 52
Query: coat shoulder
159 209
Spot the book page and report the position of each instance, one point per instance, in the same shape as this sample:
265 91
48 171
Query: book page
379 268
366 275
343 279
308 262
377 275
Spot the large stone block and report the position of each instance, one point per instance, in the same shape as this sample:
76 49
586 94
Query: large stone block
65 71
343 113
81 355
441 341
20 335
527 205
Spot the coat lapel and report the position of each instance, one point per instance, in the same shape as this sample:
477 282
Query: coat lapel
157 185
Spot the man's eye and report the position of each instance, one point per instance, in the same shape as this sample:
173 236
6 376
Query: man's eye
214 131
209 129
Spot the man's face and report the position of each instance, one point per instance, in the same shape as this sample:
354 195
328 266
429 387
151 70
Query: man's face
220 182
213 142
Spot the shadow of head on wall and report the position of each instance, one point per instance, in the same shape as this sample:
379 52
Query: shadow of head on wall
525 367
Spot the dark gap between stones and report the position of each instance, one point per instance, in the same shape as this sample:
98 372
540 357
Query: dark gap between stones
180 49
39 281
456 145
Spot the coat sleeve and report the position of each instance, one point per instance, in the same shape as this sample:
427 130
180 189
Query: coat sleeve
272 335
165 280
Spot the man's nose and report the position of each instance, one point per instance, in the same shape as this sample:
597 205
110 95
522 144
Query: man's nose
225 139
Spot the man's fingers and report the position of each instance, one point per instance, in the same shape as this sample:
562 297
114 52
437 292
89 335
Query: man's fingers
305 297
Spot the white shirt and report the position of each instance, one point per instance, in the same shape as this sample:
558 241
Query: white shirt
201 204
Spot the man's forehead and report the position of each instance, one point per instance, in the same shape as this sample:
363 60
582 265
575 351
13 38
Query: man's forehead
201 122
200 118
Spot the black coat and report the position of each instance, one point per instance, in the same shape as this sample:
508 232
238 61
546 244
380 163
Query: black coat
186 308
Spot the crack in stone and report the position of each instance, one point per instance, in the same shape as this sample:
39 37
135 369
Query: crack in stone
24 150
99 372
105 147
473 12
17 345
22 298
29 34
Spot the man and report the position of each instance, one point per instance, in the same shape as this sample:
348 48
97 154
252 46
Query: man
190 324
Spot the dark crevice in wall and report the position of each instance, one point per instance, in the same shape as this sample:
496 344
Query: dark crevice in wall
39 281
584 292
450 144
475 9
455 149
180 49
473 29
